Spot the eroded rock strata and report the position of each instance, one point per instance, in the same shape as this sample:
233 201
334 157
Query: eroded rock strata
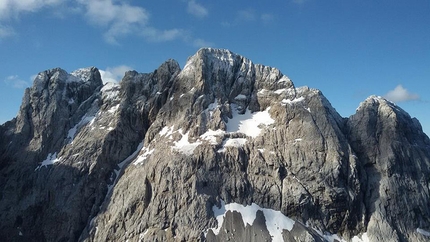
159 155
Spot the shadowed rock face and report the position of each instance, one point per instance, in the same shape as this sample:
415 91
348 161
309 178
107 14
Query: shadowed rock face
147 159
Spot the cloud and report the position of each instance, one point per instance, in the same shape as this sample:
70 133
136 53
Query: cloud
156 35
120 19
299 1
199 43
401 94
246 15
12 8
196 9
116 18
267 18
114 74
249 15
6 31
16 82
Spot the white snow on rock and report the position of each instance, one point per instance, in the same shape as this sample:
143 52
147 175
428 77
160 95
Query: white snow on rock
235 142
141 158
110 91
240 97
423 232
290 102
211 135
184 146
280 91
363 238
85 120
123 164
166 131
275 220
50 160
83 74
113 109
249 123
211 108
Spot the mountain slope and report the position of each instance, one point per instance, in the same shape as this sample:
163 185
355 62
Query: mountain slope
168 154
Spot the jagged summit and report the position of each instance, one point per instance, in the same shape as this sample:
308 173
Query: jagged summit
224 149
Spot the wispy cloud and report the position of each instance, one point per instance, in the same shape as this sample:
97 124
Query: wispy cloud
12 8
202 43
156 35
197 9
249 15
116 18
120 19
114 74
299 1
246 15
16 82
401 94
6 31
267 18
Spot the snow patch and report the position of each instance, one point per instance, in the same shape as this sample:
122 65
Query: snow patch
211 108
211 135
290 102
280 91
363 238
141 158
122 165
50 160
83 74
275 220
423 232
184 146
166 131
85 120
248 123
235 142
113 109
240 97
110 91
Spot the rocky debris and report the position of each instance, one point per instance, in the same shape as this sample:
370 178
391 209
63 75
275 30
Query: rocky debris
147 159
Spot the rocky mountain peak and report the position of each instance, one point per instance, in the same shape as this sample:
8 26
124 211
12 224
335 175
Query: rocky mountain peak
224 149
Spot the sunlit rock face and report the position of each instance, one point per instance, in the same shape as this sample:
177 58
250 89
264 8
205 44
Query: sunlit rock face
222 150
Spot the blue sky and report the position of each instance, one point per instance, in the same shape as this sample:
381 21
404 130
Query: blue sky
349 49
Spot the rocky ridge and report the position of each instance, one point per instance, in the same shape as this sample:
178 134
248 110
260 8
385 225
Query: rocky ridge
159 155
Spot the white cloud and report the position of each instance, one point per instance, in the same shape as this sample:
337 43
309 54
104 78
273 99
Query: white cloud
202 43
16 82
12 8
249 15
156 35
401 94
267 18
114 74
246 15
120 19
117 18
196 9
299 1
6 31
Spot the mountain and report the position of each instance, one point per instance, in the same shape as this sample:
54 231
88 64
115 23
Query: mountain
222 150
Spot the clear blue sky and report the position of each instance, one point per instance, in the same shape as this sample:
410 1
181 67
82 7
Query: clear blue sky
349 49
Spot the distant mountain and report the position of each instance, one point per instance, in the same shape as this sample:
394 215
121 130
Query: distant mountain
223 150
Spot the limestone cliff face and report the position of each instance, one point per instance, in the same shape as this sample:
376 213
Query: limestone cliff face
157 155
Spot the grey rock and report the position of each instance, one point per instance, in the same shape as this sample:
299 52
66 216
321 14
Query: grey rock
149 158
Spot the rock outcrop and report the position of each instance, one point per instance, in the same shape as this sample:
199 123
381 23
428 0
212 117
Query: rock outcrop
159 156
